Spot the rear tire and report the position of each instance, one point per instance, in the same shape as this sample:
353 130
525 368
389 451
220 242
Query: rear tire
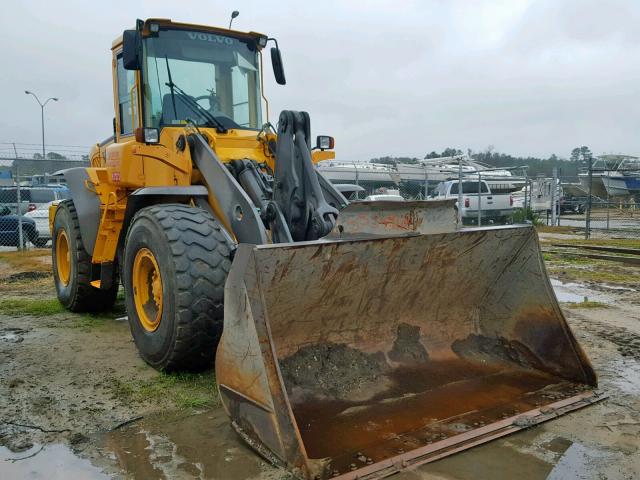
72 266
40 242
176 263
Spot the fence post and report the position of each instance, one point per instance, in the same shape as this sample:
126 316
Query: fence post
554 198
357 179
526 188
18 199
587 229
479 199
460 204
607 210
426 182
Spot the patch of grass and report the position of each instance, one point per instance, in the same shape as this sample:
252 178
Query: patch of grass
28 260
86 321
598 275
38 286
569 259
556 229
184 390
585 304
608 242
38 307
520 215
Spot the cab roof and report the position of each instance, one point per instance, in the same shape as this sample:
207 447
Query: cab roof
167 22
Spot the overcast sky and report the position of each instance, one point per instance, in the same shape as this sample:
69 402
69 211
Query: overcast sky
530 77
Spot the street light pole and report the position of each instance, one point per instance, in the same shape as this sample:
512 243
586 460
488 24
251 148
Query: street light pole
42 105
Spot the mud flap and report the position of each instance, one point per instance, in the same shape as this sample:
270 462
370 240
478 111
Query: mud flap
358 358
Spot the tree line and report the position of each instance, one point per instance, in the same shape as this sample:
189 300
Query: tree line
570 167
56 156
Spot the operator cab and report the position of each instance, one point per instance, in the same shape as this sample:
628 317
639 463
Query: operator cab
187 74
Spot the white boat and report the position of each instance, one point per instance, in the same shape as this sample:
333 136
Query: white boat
414 176
613 176
355 172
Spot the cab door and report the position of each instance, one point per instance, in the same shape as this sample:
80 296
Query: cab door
126 90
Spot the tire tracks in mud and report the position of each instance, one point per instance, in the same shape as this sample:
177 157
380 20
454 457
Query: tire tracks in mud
626 341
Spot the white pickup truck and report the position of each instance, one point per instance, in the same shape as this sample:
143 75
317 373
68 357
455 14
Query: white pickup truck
494 208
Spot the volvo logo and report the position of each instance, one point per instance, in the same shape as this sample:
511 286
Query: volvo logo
209 37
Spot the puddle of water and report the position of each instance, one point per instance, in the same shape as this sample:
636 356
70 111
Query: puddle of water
576 293
198 446
618 287
497 459
626 376
576 463
11 337
50 462
527 455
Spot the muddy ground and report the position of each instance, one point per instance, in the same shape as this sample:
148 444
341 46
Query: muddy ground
76 401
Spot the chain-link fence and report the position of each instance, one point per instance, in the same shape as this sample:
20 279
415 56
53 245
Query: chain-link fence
601 204
612 219
27 189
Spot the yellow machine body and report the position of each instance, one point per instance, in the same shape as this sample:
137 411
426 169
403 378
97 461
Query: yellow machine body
124 164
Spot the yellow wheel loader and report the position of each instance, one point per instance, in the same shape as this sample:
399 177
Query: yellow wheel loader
350 340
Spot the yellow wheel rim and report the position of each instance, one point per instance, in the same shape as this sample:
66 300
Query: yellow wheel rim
147 289
63 257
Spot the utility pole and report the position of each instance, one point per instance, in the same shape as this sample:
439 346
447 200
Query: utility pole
42 105
18 199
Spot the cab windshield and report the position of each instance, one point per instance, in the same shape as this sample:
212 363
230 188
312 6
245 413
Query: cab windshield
217 72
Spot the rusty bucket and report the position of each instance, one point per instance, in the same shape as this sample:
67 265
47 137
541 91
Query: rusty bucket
358 358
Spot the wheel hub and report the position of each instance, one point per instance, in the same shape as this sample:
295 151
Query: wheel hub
63 257
147 289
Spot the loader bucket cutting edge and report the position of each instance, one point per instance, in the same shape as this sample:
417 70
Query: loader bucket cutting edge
358 358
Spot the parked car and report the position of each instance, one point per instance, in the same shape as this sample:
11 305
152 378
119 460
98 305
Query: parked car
384 197
9 222
32 197
41 216
494 208
573 205
349 190
385 194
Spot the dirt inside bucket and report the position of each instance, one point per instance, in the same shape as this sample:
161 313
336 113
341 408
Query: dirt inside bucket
333 370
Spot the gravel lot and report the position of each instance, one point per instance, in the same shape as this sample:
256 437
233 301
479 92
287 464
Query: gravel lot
76 401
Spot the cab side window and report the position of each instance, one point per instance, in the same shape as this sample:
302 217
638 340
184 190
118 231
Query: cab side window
128 115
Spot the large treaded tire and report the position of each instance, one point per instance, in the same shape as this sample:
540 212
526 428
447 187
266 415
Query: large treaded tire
194 257
78 295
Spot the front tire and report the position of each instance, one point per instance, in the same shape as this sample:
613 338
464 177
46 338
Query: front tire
176 263
72 266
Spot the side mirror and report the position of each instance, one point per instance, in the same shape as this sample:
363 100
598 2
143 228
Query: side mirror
276 63
131 50
324 142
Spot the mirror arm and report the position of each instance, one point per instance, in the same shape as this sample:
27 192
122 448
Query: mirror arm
270 39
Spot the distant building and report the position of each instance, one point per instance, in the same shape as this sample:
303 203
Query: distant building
6 178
